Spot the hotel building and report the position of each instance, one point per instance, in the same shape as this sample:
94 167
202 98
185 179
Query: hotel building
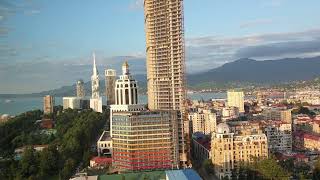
229 148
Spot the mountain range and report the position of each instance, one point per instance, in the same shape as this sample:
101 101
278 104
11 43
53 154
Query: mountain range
267 71
239 71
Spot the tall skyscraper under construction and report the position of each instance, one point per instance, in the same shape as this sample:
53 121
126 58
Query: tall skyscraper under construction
166 61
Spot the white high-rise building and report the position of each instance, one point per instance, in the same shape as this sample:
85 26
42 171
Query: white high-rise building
126 94
236 99
96 100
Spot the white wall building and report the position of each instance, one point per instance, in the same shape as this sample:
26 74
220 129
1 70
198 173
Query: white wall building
203 121
236 99
71 102
104 144
279 136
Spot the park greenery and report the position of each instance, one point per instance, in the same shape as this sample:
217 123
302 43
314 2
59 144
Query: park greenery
67 151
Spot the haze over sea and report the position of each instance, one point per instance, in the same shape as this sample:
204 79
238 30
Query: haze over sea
15 106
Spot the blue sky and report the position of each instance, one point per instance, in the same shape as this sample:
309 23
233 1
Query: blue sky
47 44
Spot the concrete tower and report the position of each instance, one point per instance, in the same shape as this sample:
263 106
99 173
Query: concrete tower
166 63
110 82
165 54
80 88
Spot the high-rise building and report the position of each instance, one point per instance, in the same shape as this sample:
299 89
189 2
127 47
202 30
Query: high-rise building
48 104
96 100
110 81
236 99
203 121
276 114
144 140
141 139
165 53
230 148
80 88
166 62
126 94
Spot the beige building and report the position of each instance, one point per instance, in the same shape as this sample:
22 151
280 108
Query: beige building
229 113
48 104
203 121
236 99
166 62
283 115
230 148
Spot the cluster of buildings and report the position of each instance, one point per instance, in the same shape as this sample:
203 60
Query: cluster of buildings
244 130
168 130
154 135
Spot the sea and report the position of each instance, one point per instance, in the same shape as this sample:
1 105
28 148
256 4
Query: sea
15 106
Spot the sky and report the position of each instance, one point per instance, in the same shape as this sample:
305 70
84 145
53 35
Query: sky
47 44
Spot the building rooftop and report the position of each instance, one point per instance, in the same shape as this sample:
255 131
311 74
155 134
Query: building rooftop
185 174
105 136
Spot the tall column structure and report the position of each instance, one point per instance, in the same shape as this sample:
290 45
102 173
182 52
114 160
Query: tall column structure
166 63
95 80
110 82
96 100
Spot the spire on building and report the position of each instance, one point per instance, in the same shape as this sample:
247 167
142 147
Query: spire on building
95 79
95 71
125 68
126 89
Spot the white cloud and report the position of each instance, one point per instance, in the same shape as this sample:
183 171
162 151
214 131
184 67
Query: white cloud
255 23
136 5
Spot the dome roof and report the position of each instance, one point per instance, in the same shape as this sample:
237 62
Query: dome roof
223 128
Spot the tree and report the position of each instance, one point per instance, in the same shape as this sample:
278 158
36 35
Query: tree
208 166
316 171
270 169
68 169
49 161
29 163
